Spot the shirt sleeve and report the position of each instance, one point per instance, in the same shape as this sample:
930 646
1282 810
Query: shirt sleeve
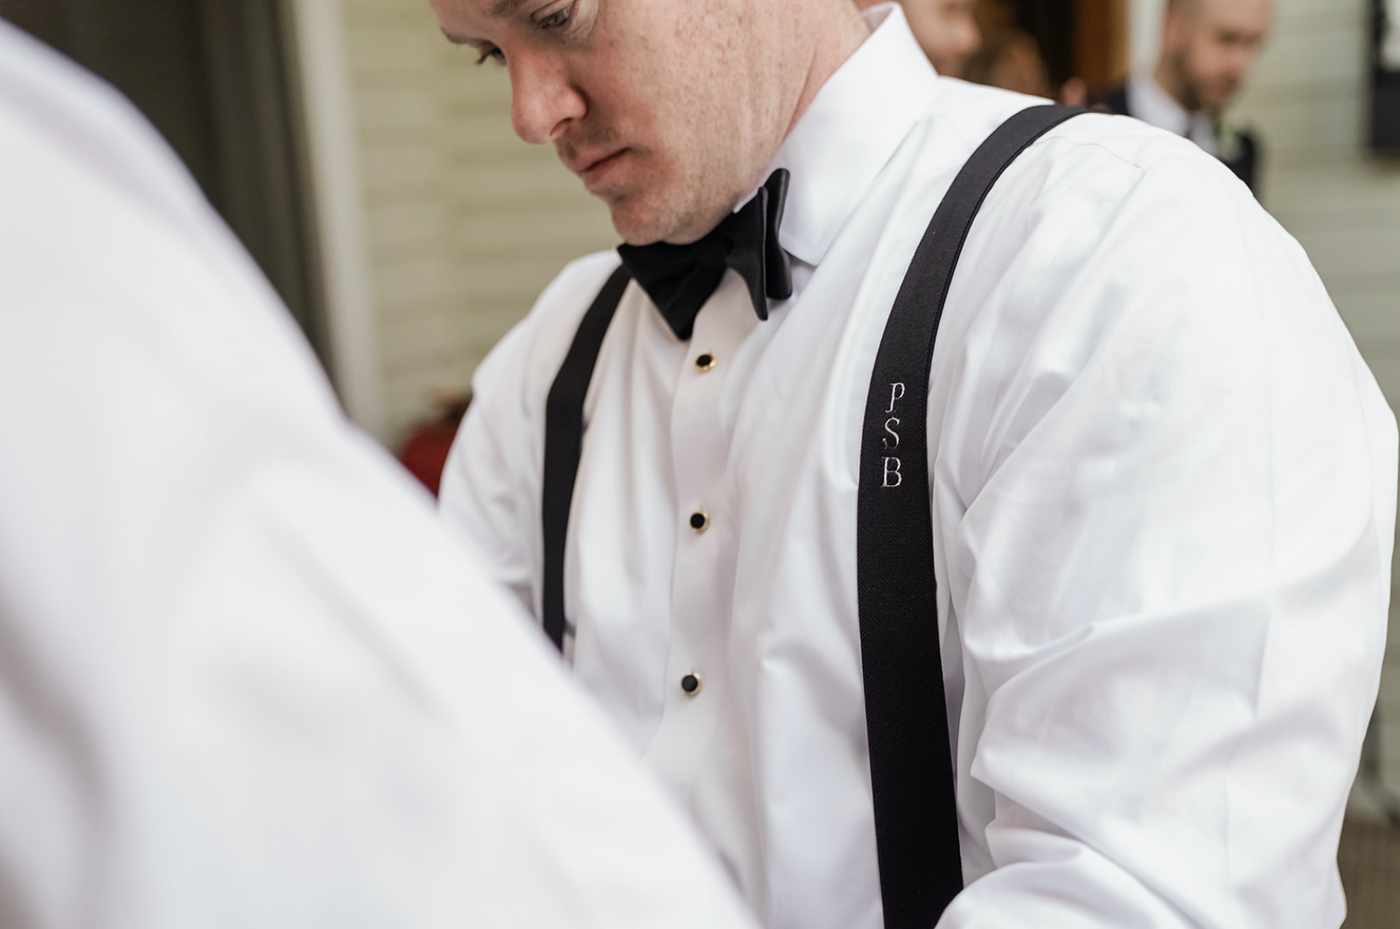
1167 522
245 677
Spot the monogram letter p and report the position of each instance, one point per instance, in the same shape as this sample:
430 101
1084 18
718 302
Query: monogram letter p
896 391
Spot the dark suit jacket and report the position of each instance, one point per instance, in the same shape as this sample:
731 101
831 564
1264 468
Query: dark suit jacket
1243 160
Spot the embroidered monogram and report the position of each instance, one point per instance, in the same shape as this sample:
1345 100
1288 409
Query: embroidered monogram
892 476
892 472
896 394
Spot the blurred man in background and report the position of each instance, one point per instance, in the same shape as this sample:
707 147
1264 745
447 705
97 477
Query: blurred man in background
245 680
1011 61
945 29
1208 49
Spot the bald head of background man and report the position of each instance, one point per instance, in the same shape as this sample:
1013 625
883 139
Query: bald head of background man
946 31
1208 48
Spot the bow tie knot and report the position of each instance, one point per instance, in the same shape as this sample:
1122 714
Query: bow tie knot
680 278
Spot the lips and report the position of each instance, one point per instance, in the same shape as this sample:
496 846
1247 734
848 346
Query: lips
592 168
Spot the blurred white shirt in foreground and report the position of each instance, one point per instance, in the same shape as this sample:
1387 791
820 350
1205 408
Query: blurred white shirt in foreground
244 679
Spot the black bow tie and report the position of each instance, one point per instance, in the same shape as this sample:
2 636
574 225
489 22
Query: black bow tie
680 278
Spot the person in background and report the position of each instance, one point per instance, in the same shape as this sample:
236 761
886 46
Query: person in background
945 29
1208 49
1011 60
245 678
1010 57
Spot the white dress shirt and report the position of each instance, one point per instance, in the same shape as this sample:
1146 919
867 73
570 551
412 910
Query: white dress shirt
1149 102
1163 490
246 680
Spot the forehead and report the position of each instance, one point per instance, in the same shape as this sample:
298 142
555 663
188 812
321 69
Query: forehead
461 19
1238 15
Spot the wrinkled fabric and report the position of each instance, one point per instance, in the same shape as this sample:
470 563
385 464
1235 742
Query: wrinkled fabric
1163 496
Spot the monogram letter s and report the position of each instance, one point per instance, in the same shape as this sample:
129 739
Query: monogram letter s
889 427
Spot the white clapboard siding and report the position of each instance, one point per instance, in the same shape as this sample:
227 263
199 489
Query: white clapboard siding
1308 101
465 223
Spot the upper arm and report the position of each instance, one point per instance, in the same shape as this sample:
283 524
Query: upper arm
1165 564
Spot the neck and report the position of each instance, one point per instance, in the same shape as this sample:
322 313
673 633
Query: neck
1169 79
836 43
822 41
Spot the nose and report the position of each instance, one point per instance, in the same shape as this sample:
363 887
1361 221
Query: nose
543 99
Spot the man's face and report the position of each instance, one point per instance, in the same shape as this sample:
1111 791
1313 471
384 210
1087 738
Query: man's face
946 31
1210 45
668 110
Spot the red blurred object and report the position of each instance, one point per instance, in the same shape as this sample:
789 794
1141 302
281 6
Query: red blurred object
424 454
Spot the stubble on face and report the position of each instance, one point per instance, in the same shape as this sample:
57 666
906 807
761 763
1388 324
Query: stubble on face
1210 49
699 94
687 90
668 110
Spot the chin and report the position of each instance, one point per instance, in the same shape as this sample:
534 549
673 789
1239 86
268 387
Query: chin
640 222
635 230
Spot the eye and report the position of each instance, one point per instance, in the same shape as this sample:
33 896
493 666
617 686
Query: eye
491 53
559 19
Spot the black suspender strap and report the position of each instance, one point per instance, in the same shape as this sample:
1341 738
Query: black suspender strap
563 441
911 765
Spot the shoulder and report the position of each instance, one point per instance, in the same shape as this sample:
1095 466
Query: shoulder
527 359
563 303
574 288
1083 172
66 122
495 468
1094 163
1127 195
1082 143
1109 228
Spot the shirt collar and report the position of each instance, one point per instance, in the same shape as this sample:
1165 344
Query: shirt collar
852 128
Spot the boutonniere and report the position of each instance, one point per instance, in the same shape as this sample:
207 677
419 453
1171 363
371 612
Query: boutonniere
1229 138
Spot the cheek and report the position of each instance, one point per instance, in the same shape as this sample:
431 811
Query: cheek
1201 60
1221 59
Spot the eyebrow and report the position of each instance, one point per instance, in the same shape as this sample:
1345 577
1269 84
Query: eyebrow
503 9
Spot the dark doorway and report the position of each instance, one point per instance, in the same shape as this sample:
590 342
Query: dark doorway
213 76
1085 39
1051 23
1385 78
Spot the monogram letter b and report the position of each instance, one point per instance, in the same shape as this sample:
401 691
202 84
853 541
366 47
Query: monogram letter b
892 472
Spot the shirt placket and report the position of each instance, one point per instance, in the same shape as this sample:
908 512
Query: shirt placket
697 674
